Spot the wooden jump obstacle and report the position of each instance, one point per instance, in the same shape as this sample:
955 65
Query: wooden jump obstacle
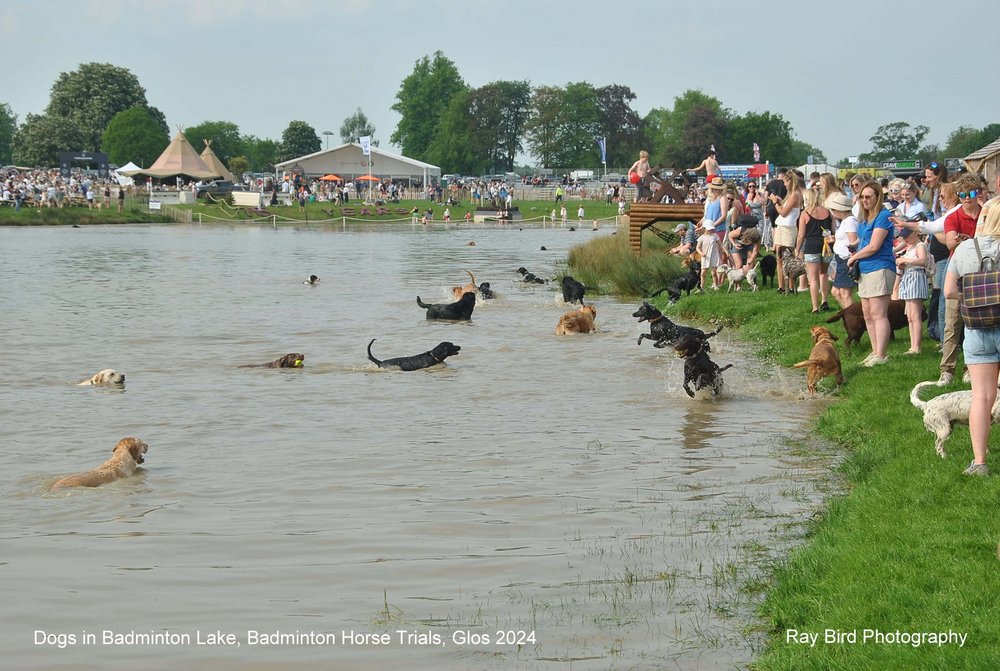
644 215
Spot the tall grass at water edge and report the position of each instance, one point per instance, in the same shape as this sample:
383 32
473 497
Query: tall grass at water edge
608 264
909 544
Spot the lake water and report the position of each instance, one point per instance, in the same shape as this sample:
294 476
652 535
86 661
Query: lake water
541 502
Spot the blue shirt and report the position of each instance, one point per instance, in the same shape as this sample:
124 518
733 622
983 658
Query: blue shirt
883 259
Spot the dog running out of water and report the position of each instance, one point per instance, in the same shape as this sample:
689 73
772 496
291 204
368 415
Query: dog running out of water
460 310
943 412
688 282
106 377
823 360
290 360
127 455
572 291
699 370
427 359
577 321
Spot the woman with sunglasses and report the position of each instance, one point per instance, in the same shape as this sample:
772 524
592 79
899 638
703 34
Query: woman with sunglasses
959 226
935 174
982 345
878 269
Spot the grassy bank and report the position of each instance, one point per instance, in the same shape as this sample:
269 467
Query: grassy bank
80 216
911 546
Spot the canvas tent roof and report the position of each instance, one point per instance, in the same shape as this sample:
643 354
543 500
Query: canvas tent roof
129 169
348 161
213 162
179 158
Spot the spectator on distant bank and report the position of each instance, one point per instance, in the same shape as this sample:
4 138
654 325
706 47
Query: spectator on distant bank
709 165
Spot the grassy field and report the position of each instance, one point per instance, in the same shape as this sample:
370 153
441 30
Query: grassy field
80 216
912 544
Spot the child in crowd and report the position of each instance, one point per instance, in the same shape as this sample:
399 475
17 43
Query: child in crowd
911 265
708 247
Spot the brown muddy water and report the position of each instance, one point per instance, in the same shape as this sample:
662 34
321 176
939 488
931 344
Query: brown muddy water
540 502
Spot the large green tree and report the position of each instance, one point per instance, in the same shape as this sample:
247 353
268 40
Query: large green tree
225 136
497 115
450 146
40 139
620 125
134 135
563 128
666 130
771 132
92 95
299 139
261 153
966 139
422 99
704 128
8 126
357 126
895 140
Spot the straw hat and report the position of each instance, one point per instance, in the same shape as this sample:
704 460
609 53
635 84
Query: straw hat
838 202
717 183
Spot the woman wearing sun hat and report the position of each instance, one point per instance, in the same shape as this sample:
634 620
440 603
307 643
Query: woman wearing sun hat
845 236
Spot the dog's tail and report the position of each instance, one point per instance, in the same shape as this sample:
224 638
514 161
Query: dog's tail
370 357
915 394
835 317
471 277
726 367
421 304
803 364
715 332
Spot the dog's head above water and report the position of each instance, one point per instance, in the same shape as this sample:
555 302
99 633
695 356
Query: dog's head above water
444 350
689 346
646 312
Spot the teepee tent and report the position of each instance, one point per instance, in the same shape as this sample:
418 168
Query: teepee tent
179 159
213 162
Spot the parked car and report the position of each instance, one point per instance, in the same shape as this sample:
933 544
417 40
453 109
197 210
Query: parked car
216 188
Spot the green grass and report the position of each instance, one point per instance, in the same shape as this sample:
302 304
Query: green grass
81 216
910 545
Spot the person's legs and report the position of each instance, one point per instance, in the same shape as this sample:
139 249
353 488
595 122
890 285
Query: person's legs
942 269
778 249
866 307
824 284
812 273
878 310
916 324
952 338
984 394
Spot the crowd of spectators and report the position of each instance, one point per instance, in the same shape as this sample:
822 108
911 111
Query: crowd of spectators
50 188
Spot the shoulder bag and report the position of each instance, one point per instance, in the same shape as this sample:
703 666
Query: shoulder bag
980 301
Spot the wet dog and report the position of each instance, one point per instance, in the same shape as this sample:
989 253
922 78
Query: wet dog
768 269
572 291
687 282
313 280
854 320
485 291
699 370
127 455
823 360
577 321
792 268
943 412
108 377
529 277
290 360
664 332
457 292
425 360
458 311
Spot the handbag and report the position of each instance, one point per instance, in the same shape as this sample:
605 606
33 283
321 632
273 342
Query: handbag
980 300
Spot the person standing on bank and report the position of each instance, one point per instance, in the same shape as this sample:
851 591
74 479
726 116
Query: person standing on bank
878 269
912 265
845 238
981 346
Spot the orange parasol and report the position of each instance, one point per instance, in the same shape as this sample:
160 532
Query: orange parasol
369 178
330 178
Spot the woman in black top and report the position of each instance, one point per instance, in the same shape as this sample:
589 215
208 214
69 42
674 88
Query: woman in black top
815 246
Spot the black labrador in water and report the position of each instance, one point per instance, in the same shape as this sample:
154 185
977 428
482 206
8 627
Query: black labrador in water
699 370
664 332
432 358
687 282
572 290
530 277
459 310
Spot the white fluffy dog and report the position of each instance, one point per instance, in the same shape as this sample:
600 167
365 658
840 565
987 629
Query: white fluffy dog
737 275
941 413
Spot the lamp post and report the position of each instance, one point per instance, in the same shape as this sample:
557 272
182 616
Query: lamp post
328 133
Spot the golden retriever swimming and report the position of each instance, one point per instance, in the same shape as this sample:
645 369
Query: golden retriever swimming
127 455
108 376
471 287
577 321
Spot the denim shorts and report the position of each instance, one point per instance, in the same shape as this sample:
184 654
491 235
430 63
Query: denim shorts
982 345
817 258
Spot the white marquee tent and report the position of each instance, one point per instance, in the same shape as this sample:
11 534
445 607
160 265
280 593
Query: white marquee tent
349 162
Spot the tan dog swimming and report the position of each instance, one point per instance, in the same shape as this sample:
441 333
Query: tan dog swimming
127 456
577 321
108 376
471 287
823 360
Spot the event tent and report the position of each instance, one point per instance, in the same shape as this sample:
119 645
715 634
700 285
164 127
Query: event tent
179 159
349 161
213 162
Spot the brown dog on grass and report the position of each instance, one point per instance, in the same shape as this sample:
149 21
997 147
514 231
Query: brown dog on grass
577 321
127 457
823 360
854 320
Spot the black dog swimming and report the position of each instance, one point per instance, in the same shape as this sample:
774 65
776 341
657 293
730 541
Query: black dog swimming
485 291
457 311
688 282
699 369
432 358
768 269
664 332
572 291
531 278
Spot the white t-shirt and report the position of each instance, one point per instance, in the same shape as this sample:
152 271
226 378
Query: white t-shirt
848 225
904 210
964 259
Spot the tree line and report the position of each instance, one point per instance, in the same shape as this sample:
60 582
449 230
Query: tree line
446 122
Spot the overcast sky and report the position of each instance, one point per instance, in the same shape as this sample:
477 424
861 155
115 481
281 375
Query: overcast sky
836 71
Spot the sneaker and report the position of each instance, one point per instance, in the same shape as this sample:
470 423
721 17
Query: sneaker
875 361
825 307
864 362
945 379
976 469
966 378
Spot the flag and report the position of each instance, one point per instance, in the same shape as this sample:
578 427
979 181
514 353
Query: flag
712 147
602 143
756 153
366 145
